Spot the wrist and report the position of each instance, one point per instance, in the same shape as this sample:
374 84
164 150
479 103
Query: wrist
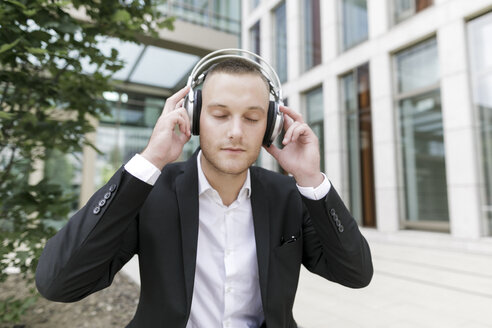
155 160
309 180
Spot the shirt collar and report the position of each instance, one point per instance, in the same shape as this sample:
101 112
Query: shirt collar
204 185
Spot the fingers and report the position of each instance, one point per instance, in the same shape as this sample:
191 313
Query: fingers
180 104
295 131
178 97
295 116
183 121
169 121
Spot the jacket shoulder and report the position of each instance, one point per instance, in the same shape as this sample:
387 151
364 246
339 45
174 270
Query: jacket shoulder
274 181
173 168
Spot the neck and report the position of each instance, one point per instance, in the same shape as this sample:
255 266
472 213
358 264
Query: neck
227 185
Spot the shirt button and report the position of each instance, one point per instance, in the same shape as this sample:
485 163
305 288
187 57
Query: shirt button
229 290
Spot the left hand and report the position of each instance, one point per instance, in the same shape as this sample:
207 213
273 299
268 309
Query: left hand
300 154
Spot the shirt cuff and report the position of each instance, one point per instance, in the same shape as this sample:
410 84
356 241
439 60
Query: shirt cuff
316 193
142 169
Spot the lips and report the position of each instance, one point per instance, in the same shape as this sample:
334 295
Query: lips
233 149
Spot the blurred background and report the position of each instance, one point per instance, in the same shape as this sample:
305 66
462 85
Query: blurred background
399 93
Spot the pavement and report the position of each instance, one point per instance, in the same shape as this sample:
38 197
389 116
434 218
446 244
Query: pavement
420 280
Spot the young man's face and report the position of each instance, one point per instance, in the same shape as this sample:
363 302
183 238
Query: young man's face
233 121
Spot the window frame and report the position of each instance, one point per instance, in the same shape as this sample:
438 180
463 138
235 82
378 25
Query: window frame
304 67
341 33
274 30
304 94
395 20
397 96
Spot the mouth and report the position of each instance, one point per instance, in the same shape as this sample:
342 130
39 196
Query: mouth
233 149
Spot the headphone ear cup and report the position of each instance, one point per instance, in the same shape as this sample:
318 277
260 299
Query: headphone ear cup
271 116
197 108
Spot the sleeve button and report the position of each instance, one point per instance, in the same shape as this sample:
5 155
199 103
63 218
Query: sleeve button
112 188
96 210
333 212
107 195
102 202
340 228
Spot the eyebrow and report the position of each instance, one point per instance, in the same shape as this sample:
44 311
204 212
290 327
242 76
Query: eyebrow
254 107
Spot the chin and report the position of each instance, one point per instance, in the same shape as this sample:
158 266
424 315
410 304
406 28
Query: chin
233 167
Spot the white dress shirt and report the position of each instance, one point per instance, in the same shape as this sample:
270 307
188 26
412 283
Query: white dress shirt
226 291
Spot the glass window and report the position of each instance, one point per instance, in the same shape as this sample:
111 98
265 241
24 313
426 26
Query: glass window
480 47
356 99
223 15
162 67
421 136
315 117
418 67
355 28
407 8
146 64
280 48
312 34
226 16
64 170
255 38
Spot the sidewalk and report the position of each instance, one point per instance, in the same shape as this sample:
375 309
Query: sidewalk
420 280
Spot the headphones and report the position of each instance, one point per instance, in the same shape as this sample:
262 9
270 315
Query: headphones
193 100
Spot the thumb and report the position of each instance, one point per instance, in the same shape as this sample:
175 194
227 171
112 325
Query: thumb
273 150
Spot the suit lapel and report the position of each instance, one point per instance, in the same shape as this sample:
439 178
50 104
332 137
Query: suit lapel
187 194
261 223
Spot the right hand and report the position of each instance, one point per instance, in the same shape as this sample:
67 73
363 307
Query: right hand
166 144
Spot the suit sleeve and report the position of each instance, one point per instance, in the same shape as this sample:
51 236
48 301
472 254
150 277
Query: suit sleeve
97 241
333 246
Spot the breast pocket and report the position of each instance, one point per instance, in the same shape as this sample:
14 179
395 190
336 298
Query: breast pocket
288 258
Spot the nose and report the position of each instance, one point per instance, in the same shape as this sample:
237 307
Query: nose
235 130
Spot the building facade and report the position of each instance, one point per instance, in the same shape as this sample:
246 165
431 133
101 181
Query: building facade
399 93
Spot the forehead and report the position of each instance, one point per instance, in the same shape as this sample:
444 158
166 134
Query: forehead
240 82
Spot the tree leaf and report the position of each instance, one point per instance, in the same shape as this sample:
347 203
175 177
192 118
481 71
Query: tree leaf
37 51
6 116
8 46
30 12
168 23
122 16
17 3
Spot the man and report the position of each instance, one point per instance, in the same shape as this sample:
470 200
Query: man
220 242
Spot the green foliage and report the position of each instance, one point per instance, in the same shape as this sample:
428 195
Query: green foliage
46 100
12 309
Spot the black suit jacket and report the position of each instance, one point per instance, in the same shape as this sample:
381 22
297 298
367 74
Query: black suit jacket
160 224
